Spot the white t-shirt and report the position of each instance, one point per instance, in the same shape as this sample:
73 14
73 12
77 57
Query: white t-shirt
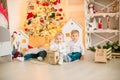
75 47
58 47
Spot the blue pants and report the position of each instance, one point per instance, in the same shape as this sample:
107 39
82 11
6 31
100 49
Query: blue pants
39 54
74 56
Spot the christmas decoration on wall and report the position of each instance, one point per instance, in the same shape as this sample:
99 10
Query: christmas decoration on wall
91 8
99 23
44 18
93 25
108 22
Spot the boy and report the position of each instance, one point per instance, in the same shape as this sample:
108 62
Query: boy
76 50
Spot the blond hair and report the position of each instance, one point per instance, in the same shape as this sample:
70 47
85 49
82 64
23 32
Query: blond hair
59 34
74 31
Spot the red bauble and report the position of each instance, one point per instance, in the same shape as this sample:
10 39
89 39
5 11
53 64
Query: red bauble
99 25
37 2
47 4
55 3
60 9
43 4
41 20
29 46
61 18
26 29
58 1
30 15
15 32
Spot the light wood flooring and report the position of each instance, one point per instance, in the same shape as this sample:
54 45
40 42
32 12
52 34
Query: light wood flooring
77 70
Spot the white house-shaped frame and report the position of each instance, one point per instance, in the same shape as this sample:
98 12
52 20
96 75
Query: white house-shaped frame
69 26
20 41
23 39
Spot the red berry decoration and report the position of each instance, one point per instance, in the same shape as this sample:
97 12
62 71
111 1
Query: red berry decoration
60 9
41 20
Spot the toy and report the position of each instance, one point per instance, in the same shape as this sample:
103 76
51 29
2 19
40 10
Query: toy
100 23
93 25
91 8
20 41
52 57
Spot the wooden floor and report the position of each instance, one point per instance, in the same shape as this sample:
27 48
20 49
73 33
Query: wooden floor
78 70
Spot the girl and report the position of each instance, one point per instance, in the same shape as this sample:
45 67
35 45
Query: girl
59 45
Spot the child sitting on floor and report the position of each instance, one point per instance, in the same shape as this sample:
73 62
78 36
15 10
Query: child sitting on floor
36 53
59 45
76 50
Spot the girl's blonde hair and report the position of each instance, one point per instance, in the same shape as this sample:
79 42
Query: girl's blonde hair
59 34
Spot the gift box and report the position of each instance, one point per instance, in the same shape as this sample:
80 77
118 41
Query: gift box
102 55
52 57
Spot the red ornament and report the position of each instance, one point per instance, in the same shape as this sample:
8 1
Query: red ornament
30 15
29 46
15 32
26 29
60 9
41 20
37 2
99 26
61 18
100 23
43 4
58 1
47 4
55 3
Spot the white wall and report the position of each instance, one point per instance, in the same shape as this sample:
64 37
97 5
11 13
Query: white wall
16 13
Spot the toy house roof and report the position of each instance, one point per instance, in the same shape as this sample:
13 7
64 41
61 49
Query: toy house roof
71 25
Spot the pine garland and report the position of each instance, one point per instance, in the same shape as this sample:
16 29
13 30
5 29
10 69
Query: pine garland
115 47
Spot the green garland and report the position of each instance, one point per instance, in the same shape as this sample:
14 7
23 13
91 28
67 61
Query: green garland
115 47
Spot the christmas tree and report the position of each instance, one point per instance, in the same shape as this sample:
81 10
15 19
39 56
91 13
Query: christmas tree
44 18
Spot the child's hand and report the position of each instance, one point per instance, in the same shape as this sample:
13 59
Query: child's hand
82 57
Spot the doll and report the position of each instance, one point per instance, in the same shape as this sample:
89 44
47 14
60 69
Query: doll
91 8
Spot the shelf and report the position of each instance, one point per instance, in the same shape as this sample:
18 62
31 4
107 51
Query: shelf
104 14
103 31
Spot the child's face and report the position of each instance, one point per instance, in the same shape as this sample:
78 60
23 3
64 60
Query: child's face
59 39
75 37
